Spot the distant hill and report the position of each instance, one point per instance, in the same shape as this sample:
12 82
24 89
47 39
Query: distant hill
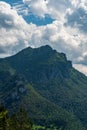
45 83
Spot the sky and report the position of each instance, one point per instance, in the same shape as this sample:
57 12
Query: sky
62 24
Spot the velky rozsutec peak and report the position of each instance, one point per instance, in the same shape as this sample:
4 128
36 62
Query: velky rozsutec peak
41 54
43 58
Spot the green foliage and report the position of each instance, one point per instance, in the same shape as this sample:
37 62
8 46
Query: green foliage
18 121
3 118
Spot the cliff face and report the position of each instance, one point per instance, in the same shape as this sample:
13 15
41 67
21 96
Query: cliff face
54 83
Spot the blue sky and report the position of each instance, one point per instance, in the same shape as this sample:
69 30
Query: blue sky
62 24
37 20
30 17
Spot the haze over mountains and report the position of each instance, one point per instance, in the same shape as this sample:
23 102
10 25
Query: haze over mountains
45 83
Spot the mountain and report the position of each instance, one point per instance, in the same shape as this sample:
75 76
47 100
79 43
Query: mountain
46 84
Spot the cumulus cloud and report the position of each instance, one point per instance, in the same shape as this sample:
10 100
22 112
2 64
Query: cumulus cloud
78 18
37 7
14 31
50 7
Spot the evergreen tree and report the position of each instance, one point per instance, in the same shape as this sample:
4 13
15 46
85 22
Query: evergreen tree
20 121
3 118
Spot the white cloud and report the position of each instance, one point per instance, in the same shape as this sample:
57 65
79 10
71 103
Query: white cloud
82 68
37 7
14 31
78 17
21 8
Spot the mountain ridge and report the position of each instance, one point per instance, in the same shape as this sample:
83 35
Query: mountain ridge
52 78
